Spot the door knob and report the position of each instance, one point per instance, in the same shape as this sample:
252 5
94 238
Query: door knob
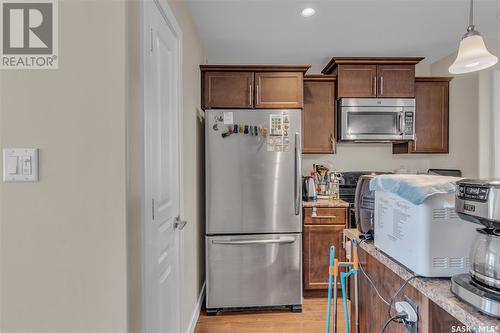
179 224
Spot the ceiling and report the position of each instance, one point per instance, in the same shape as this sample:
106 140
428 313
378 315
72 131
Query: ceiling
258 31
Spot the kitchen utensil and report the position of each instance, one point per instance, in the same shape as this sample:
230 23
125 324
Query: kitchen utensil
309 192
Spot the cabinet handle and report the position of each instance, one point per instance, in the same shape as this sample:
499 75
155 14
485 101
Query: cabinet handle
331 141
257 99
250 95
374 86
381 85
324 217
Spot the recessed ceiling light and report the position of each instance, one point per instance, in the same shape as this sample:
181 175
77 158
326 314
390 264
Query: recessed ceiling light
306 12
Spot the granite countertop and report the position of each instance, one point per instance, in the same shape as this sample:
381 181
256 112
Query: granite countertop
325 203
435 289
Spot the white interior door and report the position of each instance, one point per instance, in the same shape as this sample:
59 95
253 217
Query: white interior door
162 308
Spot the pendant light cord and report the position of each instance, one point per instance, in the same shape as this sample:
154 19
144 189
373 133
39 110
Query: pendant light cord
471 16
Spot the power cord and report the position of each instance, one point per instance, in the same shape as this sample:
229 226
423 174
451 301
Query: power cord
399 316
373 285
370 280
407 312
393 298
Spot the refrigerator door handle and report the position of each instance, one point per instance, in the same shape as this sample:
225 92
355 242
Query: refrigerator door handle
297 173
281 240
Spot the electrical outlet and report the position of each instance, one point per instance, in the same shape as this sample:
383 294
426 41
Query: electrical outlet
412 327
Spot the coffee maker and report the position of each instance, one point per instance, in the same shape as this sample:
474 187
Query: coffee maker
478 201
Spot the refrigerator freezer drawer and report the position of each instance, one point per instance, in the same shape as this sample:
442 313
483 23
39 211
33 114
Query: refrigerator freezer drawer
254 270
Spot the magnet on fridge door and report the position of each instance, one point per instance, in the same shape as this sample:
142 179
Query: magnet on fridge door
286 118
228 118
276 124
285 129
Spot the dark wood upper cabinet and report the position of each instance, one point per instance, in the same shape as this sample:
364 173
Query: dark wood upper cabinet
365 77
431 117
318 118
357 81
274 90
228 90
252 86
396 81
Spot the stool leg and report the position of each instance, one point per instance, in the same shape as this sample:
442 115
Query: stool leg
328 308
335 304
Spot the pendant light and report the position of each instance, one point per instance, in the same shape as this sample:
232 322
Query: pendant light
472 53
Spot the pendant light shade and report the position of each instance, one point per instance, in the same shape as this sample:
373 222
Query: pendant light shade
472 53
472 56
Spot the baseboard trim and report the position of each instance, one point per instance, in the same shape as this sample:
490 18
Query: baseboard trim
197 310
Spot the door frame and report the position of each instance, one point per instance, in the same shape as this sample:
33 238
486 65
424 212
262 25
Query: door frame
166 12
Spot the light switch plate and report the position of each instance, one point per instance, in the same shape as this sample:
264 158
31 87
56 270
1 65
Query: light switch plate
20 165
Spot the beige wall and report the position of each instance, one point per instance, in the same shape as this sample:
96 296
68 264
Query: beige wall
194 148
486 114
71 243
463 135
62 255
135 165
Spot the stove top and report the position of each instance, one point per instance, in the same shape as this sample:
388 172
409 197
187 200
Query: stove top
485 299
349 181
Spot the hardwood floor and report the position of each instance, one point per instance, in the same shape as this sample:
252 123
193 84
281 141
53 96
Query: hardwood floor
312 319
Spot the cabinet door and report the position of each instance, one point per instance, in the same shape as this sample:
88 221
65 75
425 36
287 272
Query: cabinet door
227 90
275 90
318 118
431 125
396 81
316 251
357 81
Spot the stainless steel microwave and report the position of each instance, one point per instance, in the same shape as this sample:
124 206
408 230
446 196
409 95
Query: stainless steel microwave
376 119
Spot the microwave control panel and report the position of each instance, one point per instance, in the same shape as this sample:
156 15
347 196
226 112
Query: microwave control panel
409 123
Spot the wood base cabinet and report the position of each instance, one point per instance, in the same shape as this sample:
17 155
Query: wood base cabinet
320 232
431 118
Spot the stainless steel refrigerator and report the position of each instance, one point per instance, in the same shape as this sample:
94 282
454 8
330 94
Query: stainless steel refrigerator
253 209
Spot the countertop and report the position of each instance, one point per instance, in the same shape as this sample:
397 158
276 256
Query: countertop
325 203
435 289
